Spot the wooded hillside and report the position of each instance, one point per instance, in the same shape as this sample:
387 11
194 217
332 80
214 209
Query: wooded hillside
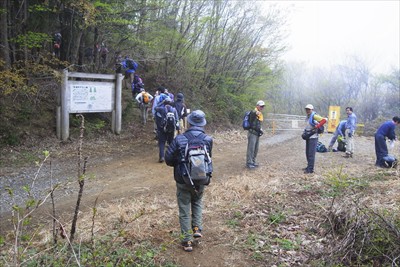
223 55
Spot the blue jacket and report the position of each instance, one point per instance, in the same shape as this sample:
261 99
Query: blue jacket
176 151
341 128
351 123
387 130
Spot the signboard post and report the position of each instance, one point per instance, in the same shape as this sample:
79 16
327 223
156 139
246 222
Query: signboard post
91 93
334 118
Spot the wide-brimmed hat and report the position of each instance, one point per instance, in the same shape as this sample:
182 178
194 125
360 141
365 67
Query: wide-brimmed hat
197 118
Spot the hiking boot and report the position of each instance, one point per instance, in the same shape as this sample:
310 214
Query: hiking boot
250 166
255 164
161 160
329 149
197 232
308 171
348 155
187 246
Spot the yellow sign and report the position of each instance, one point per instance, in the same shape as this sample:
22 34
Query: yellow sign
334 118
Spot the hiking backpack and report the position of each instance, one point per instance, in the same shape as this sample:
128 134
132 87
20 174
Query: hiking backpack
145 98
390 161
341 144
246 121
131 64
196 161
321 148
313 122
170 122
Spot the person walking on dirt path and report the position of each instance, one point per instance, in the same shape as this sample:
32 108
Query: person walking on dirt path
313 123
159 97
180 107
165 136
340 130
386 130
144 100
253 135
190 200
351 125
130 66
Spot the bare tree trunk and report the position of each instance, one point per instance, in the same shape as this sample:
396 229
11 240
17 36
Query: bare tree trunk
4 45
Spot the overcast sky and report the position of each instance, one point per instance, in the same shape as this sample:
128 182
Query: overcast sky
324 33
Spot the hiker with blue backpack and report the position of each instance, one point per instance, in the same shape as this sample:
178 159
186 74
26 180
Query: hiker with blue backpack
167 123
386 130
340 129
129 66
314 126
255 118
190 154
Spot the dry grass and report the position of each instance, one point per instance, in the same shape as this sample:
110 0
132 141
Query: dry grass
274 214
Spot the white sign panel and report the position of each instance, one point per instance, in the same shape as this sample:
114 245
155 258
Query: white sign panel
90 96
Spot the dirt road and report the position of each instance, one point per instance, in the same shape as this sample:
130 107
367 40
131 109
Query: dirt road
126 170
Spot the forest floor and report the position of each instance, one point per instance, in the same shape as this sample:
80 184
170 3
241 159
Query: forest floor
274 215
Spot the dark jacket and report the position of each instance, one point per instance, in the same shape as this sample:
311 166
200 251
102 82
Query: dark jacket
180 108
176 151
387 129
255 124
161 113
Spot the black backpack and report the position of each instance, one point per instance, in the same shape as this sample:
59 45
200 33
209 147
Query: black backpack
131 64
170 122
196 163
321 148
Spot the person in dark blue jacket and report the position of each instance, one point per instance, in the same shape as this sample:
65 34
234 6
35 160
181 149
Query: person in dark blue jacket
165 136
386 130
189 198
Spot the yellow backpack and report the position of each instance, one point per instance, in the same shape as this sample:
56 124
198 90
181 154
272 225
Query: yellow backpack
145 97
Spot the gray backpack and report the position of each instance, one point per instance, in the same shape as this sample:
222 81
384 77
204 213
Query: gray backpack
197 163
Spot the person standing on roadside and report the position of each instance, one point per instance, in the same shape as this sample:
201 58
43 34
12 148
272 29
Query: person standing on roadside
386 130
351 125
313 123
190 200
253 135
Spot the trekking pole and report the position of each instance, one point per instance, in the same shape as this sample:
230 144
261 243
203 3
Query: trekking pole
191 181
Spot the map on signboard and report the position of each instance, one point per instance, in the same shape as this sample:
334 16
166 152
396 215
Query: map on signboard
91 97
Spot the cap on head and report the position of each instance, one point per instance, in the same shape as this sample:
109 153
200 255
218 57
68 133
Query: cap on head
309 106
179 96
260 103
197 118
161 89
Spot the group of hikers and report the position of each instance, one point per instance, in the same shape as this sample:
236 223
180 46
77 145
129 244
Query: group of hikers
344 133
189 149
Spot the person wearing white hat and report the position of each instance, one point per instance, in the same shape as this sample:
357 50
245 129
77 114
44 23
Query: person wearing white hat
253 135
313 123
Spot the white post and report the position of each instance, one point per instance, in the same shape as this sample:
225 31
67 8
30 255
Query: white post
118 105
64 107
